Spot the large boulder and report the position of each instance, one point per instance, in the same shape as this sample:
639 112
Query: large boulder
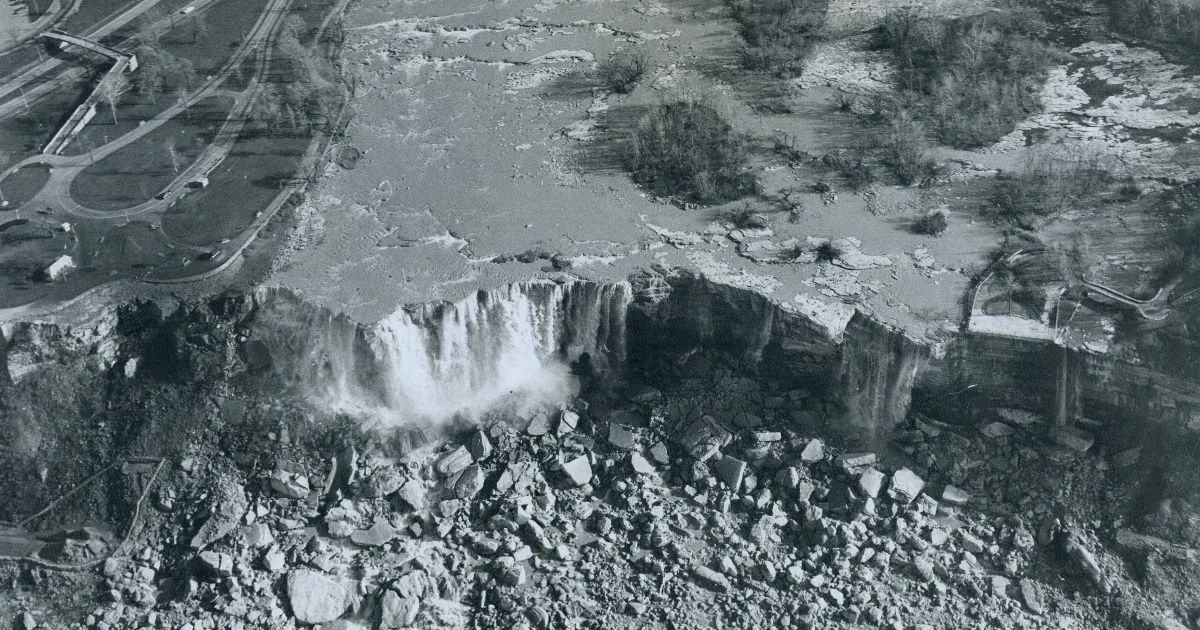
316 597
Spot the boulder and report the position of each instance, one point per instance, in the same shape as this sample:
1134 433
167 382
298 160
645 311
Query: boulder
730 470
813 452
470 482
640 464
579 470
906 486
621 438
480 446
397 611
289 484
454 462
316 597
871 482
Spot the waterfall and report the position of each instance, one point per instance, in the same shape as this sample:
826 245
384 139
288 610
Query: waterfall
434 361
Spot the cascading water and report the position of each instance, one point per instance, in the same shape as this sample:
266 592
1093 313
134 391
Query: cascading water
435 361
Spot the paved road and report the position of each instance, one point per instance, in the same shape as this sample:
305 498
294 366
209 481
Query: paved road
50 63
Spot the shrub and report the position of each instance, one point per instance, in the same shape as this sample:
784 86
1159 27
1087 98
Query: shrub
1129 190
778 34
686 150
621 72
1050 182
1164 21
907 151
932 224
972 78
744 217
828 252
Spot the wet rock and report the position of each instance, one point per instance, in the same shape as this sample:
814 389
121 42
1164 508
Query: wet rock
906 486
396 611
470 482
453 462
579 470
711 578
316 597
479 446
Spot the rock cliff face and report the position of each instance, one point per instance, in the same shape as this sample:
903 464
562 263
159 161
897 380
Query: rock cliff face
437 360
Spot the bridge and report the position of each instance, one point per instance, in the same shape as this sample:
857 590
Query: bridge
122 62
95 47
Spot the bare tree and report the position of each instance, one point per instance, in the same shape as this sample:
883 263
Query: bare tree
181 97
169 145
198 26
112 89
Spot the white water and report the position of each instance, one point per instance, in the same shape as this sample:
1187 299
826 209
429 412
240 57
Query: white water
505 346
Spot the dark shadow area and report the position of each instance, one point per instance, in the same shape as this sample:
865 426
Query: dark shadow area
614 127
572 86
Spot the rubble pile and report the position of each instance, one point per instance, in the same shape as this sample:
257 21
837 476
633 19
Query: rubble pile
711 504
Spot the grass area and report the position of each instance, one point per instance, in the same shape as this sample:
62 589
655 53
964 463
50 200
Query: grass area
969 79
24 134
209 38
19 187
140 170
686 150
1174 22
91 13
244 184
778 34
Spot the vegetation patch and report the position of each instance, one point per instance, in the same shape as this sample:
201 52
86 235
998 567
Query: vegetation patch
686 150
1050 182
622 71
778 34
971 79
931 224
1174 22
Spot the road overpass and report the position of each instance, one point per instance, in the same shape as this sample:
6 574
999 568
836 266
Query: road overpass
122 62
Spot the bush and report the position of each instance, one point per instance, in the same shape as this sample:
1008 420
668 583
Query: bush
828 252
778 34
907 151
932 224
972 78
1164 21
1050 182
686 150
621 72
